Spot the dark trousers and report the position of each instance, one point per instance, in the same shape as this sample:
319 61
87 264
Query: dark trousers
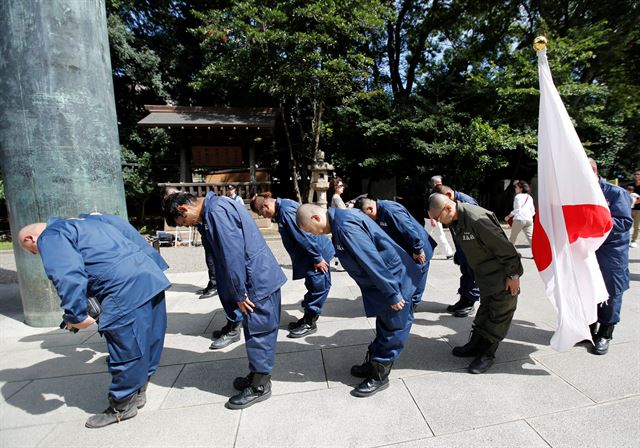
494 315
468 288
208 257
135 345
609 311
318 284
417 296
261 332
392 332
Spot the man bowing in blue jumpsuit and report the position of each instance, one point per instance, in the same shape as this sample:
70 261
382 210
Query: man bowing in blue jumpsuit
90 257
387 276
249 279
310 256
403 228
613 259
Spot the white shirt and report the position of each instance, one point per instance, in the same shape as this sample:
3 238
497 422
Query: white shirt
523 208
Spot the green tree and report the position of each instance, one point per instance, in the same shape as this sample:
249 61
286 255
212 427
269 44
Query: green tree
306 56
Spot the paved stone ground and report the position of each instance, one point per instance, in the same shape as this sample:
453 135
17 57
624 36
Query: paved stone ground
51 381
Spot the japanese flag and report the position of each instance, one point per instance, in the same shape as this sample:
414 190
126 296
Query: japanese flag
572 221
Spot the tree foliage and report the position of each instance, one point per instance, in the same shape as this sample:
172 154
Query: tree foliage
405 88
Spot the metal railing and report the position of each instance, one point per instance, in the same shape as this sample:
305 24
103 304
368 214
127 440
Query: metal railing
245 190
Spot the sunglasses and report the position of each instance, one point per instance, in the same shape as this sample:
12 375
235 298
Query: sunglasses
437 218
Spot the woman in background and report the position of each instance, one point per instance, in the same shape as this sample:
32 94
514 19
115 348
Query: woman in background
522 213
337 188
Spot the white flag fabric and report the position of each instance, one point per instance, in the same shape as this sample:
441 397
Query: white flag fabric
572 221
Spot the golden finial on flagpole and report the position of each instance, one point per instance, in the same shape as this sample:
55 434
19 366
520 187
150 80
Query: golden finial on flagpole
539 43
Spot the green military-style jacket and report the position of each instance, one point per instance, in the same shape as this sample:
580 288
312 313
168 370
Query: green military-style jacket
490 254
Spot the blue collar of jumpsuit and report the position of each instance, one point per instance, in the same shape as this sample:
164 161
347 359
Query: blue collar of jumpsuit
278 209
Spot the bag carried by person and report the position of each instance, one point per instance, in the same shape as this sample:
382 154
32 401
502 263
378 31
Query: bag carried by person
510 219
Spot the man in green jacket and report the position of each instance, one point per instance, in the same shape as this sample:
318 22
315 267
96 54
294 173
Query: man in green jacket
497 268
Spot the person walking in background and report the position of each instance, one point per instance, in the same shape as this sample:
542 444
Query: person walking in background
521 217
635 213
310 256
613 259
435 229
232 193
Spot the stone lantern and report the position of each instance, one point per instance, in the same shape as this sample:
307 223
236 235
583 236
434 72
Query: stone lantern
319 180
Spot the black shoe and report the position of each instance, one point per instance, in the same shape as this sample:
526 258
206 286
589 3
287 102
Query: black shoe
377 380
259 389
229 334
207 293
210 286
602 339
116 412
462 308
141 397
471 348
304 326
484 360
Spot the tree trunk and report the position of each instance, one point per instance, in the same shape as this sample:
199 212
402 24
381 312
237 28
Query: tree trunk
142 213
293 165
317 121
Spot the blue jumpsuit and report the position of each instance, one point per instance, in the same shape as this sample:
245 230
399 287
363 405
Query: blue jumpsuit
396 220
385 273
245 268
613 255
468 288
132 234
305 250
89 257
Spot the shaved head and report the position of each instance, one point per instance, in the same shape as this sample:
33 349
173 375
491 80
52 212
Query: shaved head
443 189
442 209
313 219
28 236
368 206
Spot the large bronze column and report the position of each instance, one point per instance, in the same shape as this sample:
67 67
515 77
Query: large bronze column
59 150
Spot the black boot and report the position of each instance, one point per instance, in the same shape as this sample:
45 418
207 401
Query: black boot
141 397
486 357
229 334
605 334
304 326
242 382
470 348
462 308
593 329
377 380
117 411
259 389
362 370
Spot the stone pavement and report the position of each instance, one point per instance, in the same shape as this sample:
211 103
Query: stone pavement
51 381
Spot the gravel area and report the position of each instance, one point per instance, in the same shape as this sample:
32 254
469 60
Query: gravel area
180 259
